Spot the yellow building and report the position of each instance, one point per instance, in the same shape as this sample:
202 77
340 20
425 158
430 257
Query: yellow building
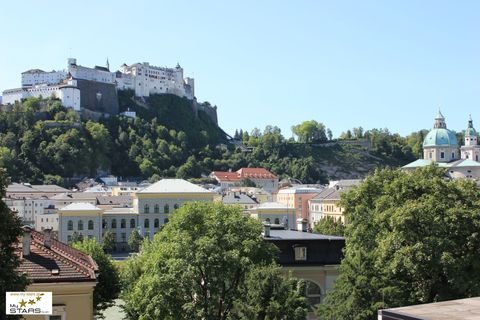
81 218
52 266
297 198
274 213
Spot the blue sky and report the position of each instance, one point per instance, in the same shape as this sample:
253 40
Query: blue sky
364 63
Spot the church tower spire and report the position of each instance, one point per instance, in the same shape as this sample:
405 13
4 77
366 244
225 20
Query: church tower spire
439 121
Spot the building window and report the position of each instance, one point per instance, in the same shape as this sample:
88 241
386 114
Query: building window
313 293
166 208
175 206
165 221
114 223
156 209
146 223
277 221
132 223
156 223
300 253
123 223
104 224
69 238
90 225
124 237
146 208
80 225
453 155
267 220
442 155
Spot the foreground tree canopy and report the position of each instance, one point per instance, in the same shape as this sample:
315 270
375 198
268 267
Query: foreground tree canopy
209 262
412 238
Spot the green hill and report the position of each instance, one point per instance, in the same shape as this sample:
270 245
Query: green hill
41 141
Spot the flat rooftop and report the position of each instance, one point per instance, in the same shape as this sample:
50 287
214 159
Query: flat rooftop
464 309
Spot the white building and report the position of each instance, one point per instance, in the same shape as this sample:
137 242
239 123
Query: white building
80 218
145 80
99 74
28 207
67 92
34 77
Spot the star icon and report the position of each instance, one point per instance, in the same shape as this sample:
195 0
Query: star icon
39 298
23 303
31 301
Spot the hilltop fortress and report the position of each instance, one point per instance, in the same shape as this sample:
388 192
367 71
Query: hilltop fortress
95 89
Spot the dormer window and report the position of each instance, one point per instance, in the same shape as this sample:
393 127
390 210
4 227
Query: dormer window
300 253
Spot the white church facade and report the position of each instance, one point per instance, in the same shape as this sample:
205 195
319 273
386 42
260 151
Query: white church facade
440 146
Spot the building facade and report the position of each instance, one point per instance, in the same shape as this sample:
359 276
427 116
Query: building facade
297 198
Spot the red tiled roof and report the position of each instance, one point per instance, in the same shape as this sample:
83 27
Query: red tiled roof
42 263
226 176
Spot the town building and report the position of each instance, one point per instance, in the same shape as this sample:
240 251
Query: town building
81 218
297 199
440 146
28 207
27 190
311 257
327 202
52 266
274 213
239 199
261 177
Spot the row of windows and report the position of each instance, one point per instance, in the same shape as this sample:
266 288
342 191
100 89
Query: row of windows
156 208
123 224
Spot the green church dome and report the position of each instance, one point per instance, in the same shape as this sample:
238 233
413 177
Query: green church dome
470 132
440 137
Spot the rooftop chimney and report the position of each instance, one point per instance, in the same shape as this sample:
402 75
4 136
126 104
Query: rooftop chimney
47 238
266 230
26 240
302 225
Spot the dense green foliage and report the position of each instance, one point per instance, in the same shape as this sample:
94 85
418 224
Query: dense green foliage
330 226
108 286
201 266
10 231
135 240
412 238
41 141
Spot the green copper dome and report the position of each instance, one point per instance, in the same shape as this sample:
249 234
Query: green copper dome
440 135
470 132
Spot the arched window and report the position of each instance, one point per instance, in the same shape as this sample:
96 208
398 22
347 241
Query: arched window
156 223
277 221
114 223
175 206
104 224
313 293
70 225
123 223
146 223
132 223
166 208
267 220
80 225
156 209
146 208
90 224
165 221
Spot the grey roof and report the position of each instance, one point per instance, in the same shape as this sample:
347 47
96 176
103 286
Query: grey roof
324 194
446 310
346 183
19 187
74 195
299 235
174 186
114 200
238 199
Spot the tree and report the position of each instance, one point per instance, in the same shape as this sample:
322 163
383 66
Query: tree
310 131
265 294
10 231
108 286
196 267
330 226
76 237
412 238
108 242
135 240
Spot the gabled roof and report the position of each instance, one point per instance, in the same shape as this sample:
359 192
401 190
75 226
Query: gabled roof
19 187
57 263
226 176
173 186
